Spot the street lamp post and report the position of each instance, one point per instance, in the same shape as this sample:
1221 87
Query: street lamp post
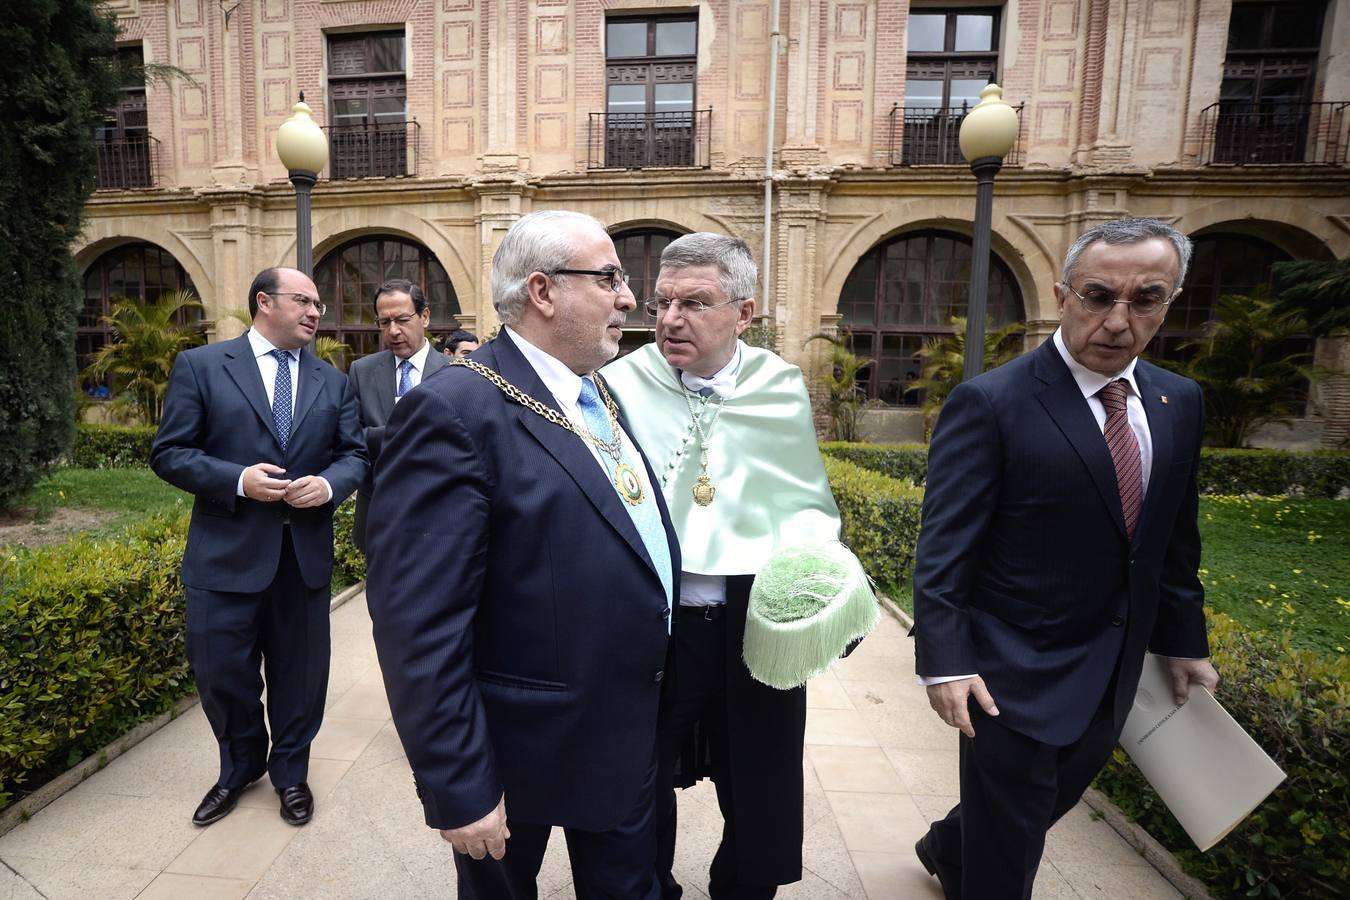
304 152
988 132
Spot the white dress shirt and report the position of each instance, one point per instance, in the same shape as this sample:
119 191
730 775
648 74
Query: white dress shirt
1090 382
267 368
419 362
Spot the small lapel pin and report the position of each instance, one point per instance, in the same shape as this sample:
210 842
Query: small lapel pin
1163 398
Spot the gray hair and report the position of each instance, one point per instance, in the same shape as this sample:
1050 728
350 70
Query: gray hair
540 242
1129 231
736 271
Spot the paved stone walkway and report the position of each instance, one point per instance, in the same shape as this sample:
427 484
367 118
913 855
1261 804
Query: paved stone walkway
879 766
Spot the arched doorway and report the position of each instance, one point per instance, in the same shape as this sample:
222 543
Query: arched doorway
348 276
903 293
639 252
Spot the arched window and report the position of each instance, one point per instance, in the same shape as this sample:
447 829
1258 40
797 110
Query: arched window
139 271
904 292
348 277
1220 264
640 255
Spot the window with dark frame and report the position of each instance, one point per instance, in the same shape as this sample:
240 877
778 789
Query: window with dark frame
368 105
139 271
1268 77
903 294
639 253
952 55
651 66
348 276
124 159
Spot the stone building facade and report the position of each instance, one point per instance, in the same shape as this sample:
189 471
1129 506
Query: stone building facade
449 119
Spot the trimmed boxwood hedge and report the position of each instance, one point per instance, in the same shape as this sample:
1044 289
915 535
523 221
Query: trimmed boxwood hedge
904 461
881 520
112 446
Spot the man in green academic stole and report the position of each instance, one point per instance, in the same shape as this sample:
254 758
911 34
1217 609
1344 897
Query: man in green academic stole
729 432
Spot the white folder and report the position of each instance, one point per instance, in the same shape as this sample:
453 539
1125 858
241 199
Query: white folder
1208 771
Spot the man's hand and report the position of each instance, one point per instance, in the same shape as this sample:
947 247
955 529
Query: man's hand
1186 672
265 482
307 491
951 701
486 837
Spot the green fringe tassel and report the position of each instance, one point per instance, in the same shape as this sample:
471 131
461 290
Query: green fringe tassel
807 604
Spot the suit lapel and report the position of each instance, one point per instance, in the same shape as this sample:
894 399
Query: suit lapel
1064 402
384 385
308 383
242 366
435 361
1160 434
568 449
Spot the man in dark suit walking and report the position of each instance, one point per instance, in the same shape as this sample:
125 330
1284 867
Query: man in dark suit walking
265 436
381 379
1059 543
527 695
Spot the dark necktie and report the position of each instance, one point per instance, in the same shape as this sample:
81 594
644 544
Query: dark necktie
281 397
1124 447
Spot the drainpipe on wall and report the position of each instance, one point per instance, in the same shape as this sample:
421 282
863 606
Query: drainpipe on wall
766 269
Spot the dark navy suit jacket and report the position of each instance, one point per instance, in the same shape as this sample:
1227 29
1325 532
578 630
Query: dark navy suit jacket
520 624
217 422
1024 574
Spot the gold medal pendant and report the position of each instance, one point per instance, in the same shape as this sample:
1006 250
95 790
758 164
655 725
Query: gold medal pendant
704 492
629 484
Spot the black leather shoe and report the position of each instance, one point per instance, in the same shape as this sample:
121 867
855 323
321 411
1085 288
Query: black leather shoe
948 877
297 803
219 801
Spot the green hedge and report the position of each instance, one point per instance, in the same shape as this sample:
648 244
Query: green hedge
112 446
91 642
1296 704
881 520
1313 473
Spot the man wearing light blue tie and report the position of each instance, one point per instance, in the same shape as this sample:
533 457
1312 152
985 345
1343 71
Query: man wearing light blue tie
527 696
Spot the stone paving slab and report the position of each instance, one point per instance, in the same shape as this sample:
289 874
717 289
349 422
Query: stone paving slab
878 767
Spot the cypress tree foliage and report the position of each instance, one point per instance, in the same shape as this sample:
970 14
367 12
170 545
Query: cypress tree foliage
56 82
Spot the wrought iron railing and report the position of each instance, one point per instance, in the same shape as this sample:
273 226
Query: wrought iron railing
126 162
373 150
1249 133
645 140
930 136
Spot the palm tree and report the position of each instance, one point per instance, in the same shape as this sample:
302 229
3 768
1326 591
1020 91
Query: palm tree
332 351
944 361
1319 290
845 399
1243 365
147 338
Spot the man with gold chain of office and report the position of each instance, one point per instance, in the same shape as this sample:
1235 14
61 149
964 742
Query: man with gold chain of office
729 432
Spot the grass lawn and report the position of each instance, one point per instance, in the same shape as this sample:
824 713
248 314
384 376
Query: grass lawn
127 495
1274 563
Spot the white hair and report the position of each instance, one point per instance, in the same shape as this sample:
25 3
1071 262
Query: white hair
1129 231
540 242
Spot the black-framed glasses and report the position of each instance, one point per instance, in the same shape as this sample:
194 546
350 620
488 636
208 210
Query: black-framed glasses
302 299
402 321
1143 304
657 306
617 276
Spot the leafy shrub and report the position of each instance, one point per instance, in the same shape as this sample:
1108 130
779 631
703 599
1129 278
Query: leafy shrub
112 446
91 642
881 520
349 563
1296 704
908 462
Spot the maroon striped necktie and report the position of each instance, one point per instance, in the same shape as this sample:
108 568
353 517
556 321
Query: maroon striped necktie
1124 447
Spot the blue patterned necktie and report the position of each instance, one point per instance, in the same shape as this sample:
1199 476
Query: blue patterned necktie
281 397
646 515
404 378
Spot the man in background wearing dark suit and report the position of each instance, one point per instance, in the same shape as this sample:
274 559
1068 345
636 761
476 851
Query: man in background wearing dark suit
1059 543
526 696
265 436
381 379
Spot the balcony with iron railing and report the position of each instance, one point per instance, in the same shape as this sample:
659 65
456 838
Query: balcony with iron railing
930 136
1255 133
373 149
650 140
127 161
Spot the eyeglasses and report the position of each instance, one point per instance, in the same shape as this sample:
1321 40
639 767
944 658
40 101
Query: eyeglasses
657 306
302 299
1144 304
617 277
401 321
